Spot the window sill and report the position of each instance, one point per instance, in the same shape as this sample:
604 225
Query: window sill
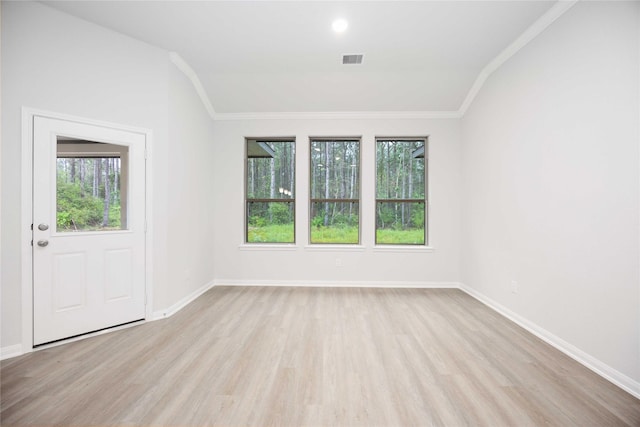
268 247
334 248
403 249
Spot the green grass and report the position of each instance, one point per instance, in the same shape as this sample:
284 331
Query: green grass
278 233
334 235
284 233
411 236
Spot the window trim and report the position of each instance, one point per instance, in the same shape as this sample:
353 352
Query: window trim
424 200
334 245
247 200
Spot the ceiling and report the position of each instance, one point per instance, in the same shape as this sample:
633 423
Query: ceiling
283 56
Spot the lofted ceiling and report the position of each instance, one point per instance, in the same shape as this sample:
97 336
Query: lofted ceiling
283 56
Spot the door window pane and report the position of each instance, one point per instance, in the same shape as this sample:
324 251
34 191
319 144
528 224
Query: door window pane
91 186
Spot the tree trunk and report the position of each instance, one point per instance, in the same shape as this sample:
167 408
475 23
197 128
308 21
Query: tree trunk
352 180
327 178
107 194
116 180
96 177
272 185
252 178
282 173
410 195
388 169
272 173
404 185
292 168
73 170
83 174
336 181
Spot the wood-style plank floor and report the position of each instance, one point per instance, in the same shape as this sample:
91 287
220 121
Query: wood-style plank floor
268 356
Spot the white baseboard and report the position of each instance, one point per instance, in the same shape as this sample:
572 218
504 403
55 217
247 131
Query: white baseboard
624 382
170 311
340 284
10 351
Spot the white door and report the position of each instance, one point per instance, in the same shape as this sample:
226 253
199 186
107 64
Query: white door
88 228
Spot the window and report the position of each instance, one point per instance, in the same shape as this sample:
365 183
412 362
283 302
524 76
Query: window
270 190
91 186
401 191
335 191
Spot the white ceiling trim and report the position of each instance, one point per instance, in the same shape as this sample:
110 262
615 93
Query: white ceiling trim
336 115
541 24
191 75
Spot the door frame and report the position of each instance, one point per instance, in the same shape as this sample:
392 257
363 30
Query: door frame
26 215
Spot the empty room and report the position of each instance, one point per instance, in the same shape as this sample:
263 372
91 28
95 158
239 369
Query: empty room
320 213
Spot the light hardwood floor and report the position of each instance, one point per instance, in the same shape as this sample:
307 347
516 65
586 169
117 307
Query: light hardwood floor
259 356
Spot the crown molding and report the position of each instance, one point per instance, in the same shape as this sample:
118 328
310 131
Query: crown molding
338 115
541 24
186 69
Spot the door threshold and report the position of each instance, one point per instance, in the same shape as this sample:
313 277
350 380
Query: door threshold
91 334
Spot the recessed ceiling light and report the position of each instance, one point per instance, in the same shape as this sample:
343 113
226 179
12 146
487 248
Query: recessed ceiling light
339 25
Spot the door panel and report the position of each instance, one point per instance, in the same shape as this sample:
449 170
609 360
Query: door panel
119 274
69 281
88 212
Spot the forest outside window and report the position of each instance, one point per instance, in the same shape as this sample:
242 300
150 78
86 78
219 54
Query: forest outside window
91 186
270 190
401 171
335 191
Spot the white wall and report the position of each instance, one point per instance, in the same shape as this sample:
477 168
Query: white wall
306 265
52 61
189 178
551 185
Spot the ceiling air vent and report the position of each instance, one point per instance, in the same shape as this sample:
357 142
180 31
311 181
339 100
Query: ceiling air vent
352 59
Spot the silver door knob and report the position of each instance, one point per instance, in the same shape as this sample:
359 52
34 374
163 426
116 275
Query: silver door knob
43 243
43 227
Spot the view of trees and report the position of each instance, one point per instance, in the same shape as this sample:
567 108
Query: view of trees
88 193
270 191
334 184
400 191
335 191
